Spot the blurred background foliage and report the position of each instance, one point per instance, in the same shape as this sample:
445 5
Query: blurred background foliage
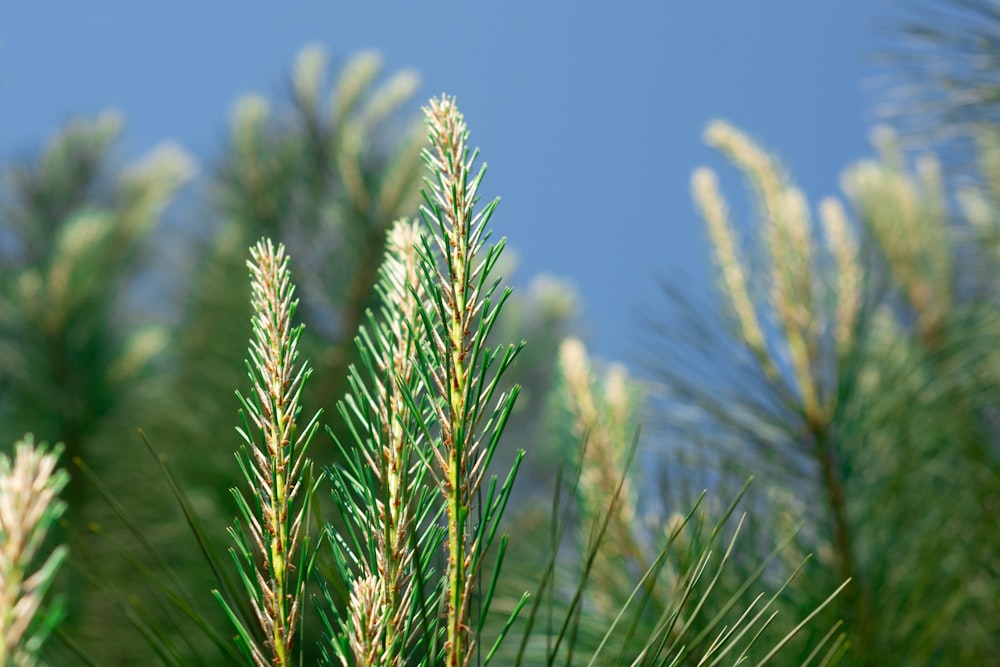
852 368
114 318
863 396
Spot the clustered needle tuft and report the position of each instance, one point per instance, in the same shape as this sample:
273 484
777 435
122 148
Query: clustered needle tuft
788 235
29 506
274 462
380 407
456 269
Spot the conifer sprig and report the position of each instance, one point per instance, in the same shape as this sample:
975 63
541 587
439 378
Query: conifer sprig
458 367
29 506
378 488
274 562
423 402
789 241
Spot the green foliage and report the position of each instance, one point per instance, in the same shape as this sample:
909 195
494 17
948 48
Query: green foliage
391 538
78 365
866 402
854 373
417 555
106 384
618 587
273 549
75 242
29 507
326 178
941 85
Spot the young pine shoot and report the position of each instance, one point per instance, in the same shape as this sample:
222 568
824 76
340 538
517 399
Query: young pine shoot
426 417
29 506
275 560
460 369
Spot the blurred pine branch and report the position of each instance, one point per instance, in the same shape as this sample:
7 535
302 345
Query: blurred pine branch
860 392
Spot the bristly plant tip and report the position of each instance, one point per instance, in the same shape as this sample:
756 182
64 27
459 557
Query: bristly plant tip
377 487
458 365
274 562
29 506
425 414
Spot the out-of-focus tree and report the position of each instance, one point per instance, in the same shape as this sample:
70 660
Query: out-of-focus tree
325 177
78 365
856 377
73 362
939 84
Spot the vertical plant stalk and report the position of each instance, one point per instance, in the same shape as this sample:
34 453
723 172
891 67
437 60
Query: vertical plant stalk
274 463
705 190
843 536
603 412
456 199
423 406
381 597
401 292
29 506
789 242
844 248
459 287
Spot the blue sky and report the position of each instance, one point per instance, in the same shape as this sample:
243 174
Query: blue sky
589 114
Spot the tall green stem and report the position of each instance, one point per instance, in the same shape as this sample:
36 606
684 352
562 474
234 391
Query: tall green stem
842 538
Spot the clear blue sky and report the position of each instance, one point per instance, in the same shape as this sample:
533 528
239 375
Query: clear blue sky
588 114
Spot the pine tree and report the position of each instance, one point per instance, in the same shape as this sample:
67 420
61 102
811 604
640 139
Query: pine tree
79 366
858 387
